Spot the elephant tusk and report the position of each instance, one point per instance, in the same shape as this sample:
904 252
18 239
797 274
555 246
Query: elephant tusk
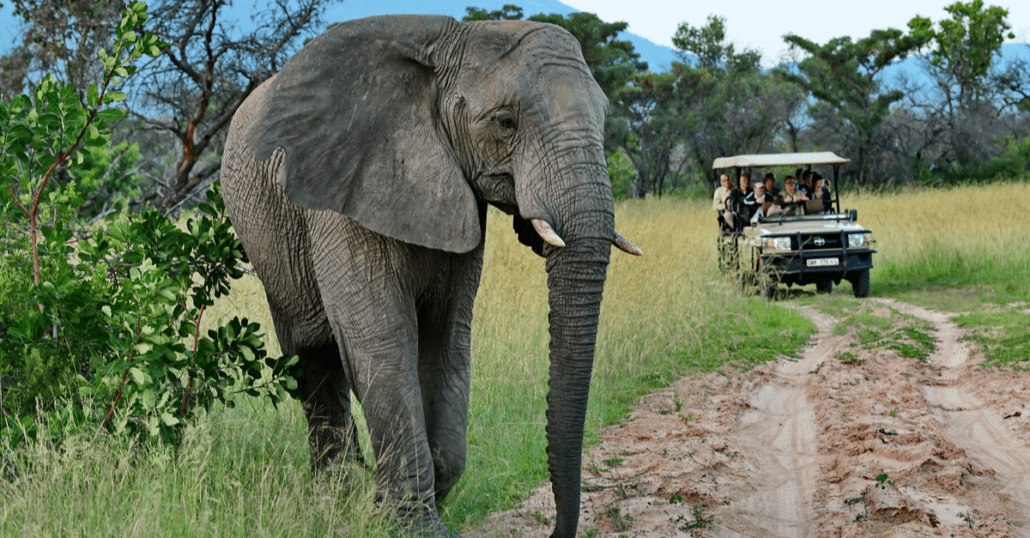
626 245
547 233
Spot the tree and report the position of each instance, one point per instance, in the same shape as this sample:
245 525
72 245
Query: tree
652 116
509 12
101 323
190 93
207 73
612 62
961 51
745 109
962 48
708 46
61 37
844 76
1014 82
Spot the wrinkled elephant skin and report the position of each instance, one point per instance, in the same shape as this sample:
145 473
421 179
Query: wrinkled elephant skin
358 179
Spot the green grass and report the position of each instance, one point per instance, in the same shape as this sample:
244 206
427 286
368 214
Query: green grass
244 471
877 327
665 315
241 472
962 250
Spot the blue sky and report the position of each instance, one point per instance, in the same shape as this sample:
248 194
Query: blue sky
758 25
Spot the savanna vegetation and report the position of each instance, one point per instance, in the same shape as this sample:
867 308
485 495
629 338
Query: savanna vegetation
141 396
245 470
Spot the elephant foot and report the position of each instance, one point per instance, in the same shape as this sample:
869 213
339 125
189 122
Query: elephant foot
439 530
423 522
343 473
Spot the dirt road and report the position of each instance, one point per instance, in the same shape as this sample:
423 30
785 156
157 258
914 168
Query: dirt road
885 426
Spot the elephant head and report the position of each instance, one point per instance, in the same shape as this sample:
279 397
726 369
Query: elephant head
409 125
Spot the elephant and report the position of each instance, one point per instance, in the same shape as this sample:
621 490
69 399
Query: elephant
357 179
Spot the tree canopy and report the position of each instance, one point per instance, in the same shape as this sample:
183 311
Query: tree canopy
843 74
612 61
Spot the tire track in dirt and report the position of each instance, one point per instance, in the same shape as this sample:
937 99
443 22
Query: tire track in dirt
814 446
779 436
964 417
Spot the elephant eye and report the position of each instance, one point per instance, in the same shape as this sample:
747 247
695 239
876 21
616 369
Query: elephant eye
505 121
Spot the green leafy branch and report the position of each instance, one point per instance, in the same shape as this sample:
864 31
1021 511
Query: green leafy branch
47 130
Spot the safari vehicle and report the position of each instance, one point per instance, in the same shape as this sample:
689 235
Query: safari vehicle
808 247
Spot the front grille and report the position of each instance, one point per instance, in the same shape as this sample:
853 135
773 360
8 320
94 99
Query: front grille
812 242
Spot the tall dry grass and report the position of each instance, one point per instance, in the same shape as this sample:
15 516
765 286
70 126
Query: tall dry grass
663 314
244 471
961 236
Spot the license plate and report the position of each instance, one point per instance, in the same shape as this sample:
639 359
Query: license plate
822 262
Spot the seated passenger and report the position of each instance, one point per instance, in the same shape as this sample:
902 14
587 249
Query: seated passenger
806 184
756 201
791 196
770 184
719 201
823 193
736 210
775 208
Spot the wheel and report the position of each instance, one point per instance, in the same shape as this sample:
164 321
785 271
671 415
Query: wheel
860 283
765 279
727 254
824 286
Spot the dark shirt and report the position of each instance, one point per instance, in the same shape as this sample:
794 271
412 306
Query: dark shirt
754 205
827 199
736 201
775 191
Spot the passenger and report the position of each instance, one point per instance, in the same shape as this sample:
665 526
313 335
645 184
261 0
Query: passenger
790 192
806 184
736 209
775 208
719 201
756 202
770 184
790 196
824 193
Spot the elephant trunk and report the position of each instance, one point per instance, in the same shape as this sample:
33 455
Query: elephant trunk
575 279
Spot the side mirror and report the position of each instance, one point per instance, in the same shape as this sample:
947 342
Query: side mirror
854 215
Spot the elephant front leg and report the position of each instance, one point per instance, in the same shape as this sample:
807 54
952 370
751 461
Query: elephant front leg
444 369
387 385
380 344
444 372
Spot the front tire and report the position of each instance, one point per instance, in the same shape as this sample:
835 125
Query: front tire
860 283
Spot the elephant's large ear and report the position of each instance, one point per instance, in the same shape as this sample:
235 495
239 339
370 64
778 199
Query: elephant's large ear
356 113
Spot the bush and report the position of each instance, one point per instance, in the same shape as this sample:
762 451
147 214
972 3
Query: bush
101 321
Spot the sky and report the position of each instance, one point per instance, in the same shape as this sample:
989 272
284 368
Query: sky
761 25
758 25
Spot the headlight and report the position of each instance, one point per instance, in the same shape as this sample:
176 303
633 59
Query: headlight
776 243
858 240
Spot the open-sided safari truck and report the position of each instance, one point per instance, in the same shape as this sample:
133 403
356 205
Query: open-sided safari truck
802 244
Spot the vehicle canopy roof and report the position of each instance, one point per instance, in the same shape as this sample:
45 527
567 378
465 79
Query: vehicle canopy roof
778 159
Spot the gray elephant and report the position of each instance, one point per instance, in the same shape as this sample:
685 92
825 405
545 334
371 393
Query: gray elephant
358 179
